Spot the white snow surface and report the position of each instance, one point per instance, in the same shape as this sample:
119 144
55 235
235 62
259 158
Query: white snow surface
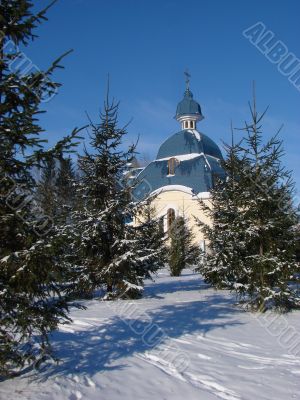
181 188
182 157
195 133
168 188
182 340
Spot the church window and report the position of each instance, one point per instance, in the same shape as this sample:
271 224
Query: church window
170 217
186 124
192 124
171 166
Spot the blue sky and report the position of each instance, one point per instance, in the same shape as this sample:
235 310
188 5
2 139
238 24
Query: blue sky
145 46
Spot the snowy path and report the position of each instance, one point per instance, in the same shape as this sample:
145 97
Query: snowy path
182 340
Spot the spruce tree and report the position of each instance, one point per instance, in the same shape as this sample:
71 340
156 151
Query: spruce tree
55 194
46 193
297 238
183 252
220 266
105 242
254 246
151 236
32 302
65 188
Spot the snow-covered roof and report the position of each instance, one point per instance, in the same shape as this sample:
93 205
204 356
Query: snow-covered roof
199 163
168 188
188 141
181 188
195 133
182 157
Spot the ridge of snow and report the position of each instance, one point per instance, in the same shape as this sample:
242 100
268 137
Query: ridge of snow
181 188
182 157
185 157
195 133
207 162
4 259
203 195
169 188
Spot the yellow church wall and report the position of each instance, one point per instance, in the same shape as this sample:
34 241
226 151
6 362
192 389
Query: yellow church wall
184 204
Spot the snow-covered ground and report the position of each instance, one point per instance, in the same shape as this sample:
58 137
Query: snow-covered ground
182 340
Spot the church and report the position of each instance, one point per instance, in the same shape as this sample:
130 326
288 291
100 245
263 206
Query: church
185 169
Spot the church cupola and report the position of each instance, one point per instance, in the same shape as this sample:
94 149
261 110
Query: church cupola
188 110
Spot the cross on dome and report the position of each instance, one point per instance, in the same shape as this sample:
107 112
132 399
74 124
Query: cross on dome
188 110
187 79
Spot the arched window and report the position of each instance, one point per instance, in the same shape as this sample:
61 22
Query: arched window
192 124
170 217
171 166
186 124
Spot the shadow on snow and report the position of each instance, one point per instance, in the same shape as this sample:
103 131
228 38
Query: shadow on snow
156 289
105 347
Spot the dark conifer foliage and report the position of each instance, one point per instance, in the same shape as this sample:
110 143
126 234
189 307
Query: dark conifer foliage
220 265
65 182
297 234
183 252
252 237
46 195
109 250
55 195
151 236
31 300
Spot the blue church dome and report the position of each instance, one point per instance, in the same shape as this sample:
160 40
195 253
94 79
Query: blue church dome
187 142
188 106
187 159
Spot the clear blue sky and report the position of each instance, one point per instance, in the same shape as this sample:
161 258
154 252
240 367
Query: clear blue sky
146 45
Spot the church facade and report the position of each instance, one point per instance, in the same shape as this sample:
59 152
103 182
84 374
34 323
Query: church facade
184 171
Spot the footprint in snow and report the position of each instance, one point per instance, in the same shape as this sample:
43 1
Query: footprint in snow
89 382
74 378
75 396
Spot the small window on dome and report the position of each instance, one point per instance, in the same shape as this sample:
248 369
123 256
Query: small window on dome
186 124
192 124
172 162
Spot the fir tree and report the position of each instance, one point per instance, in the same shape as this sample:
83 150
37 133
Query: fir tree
65 188
259 232
31 302
46 194
297 238
297 235
183 252
220 266
151 236
106 243
56 195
